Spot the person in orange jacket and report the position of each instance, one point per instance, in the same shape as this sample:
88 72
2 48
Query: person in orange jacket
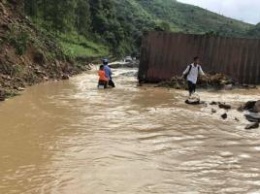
102 82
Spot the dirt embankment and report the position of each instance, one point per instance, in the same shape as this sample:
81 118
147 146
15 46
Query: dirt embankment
27 55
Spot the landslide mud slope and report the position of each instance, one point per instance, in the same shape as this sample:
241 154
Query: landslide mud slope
27 55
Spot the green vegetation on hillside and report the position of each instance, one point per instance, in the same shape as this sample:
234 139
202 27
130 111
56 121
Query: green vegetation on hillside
75 45
118 26
254 31
192 19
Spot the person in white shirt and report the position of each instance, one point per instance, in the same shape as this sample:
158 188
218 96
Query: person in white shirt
191 73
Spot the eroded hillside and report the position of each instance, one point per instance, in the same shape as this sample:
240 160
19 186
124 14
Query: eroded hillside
27 56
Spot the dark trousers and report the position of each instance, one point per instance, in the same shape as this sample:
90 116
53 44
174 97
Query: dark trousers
192 87
111 83
102 83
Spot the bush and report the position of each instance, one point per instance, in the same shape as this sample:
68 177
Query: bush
11 70
19 41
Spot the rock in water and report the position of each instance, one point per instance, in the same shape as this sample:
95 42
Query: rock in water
256 107
247 106
193 100
65 77
214 103
224 106
224 116
213 111
252 126
252 117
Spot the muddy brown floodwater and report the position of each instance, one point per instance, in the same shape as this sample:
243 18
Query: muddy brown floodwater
70 138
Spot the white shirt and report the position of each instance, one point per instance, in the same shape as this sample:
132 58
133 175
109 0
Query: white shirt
194 73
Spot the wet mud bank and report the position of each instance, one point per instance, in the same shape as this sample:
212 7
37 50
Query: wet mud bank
11 86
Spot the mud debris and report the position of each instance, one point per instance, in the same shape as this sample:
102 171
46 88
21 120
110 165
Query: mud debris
252 126
224 116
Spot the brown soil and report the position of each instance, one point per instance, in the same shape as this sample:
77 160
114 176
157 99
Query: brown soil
27 56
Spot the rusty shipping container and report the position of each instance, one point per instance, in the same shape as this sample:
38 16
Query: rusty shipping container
164 55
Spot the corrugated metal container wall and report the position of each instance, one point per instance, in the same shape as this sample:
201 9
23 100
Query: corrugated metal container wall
164 55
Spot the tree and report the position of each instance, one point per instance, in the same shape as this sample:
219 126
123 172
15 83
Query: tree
83 20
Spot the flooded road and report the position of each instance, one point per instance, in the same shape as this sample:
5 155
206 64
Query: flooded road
70 138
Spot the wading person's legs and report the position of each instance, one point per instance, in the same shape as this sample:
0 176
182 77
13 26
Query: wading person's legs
190 87
111 83
194 88
102 83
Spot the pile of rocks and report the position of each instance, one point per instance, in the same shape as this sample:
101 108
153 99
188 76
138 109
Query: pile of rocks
194 100
217 81
221 105
250 109
252 113
175 82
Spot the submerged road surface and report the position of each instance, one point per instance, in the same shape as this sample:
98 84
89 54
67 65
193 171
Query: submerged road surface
70 138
